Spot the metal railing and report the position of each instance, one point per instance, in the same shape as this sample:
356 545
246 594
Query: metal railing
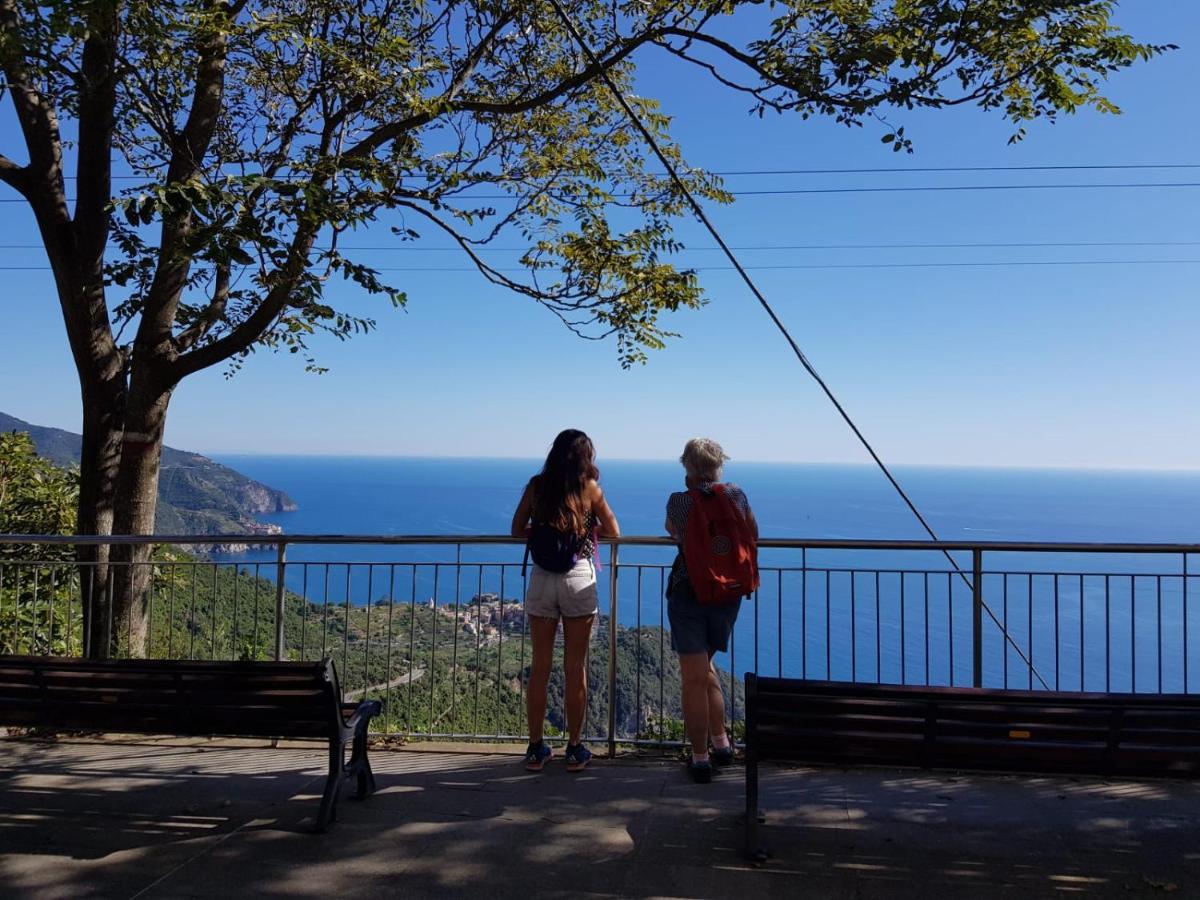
434 625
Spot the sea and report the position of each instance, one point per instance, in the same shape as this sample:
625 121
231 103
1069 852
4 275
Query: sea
1072 621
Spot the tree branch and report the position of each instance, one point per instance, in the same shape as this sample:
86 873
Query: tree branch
193 141
187 154
252 328
607 58
43 179
211 314
82 301
96 120
12 174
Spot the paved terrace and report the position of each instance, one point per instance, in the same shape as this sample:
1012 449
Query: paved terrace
145 818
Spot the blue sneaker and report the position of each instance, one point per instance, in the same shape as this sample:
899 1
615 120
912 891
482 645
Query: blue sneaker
701 773
721 757
536 756
578 756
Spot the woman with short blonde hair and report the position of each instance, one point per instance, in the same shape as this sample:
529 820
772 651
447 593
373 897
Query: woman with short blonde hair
703 459
698 630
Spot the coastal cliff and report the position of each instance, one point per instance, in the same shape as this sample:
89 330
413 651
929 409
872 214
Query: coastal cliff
196 495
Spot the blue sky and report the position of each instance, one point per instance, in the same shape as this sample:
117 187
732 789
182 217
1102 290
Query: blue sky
1076 366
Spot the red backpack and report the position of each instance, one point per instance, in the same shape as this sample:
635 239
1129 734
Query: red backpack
720 551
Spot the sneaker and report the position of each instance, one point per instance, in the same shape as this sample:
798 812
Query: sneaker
536 756
701 772
722 756
578 756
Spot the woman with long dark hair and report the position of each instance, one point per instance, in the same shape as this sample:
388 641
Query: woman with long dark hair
561 515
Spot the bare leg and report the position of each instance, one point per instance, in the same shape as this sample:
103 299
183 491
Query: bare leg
577 636
696 670
716 704
541 631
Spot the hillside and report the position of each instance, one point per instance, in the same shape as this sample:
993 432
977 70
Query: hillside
196 494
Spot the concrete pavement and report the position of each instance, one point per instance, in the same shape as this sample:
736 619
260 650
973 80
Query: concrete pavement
220 819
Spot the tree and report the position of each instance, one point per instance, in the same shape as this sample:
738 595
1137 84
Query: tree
219 150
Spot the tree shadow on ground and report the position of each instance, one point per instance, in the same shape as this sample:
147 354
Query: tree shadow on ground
100 822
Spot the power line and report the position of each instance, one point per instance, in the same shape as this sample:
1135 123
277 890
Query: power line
909 189
971 264
766 247
969 187
962 265
887 170
899 265
650 140
973 245
900 170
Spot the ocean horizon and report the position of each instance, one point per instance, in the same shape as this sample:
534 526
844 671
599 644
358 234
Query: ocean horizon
369 494
229 457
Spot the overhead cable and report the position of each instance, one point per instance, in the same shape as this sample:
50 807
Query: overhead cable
481 248
652 142
781 192
1018 263
889 170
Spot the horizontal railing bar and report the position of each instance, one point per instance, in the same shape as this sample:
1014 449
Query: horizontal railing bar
1015 573
19 564
471 564
632 541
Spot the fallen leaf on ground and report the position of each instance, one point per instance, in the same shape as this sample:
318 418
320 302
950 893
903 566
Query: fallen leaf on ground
1167 886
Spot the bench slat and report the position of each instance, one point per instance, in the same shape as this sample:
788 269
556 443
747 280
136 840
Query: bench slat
1025 731
191 697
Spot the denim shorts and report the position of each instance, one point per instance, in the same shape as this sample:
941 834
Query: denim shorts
562 594
697 628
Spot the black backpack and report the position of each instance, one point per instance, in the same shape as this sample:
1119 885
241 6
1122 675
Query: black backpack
552 550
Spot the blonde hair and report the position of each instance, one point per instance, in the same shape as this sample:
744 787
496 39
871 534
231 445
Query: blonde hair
703 458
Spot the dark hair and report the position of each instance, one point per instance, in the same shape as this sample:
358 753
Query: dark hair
558 489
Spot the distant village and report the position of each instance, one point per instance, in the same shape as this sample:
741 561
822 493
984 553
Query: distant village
485 616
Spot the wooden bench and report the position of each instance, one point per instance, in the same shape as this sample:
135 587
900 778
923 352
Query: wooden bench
842 723
180 697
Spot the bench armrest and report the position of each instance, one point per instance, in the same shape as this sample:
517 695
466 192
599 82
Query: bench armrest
360 714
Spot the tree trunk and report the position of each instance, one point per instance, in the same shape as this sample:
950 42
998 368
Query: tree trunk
100 365
99 459
137 493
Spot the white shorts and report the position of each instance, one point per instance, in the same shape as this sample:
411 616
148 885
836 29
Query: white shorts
562 594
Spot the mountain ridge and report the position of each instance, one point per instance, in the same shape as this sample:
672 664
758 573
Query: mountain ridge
196 495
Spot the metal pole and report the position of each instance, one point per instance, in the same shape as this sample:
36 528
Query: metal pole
977 617
280 568
612 650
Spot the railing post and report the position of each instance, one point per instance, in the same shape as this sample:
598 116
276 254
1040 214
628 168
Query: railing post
280 591
613 560
1185 622
976 619
107 606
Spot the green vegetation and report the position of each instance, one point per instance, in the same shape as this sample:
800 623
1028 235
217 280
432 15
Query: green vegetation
36 497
